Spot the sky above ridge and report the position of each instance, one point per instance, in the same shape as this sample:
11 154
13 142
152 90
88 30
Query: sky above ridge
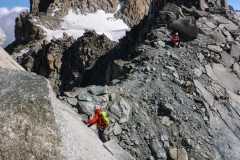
9 4
234 3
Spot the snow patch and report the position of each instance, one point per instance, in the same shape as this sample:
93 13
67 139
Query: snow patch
59 33
74 24
238 14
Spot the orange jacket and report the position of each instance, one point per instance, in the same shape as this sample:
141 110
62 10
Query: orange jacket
175 38
96 119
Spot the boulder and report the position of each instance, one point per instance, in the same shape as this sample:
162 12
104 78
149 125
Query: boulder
229 80
36 125
98 90
204 93
86 107
186 25
85 96
70 94
173 8
215 48
115 110
219 19
197 13
211 73
117 151
166 17
206 23
158 150
182 154
235 51
236 69
126 111
206 31
203 5
117 129
166 107
227 59
218 37
173 152
72 101
229 26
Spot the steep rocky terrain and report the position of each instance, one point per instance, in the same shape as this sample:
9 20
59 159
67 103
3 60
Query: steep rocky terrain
36 125
164 102
176 102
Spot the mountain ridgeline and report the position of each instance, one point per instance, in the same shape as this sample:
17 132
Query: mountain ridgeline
164 102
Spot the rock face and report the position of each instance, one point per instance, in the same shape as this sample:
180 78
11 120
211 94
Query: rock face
3 37
86 6
27 29
133 12
38 125
186 25
37 6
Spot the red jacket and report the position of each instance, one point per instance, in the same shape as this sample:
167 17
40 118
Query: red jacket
96 119
175 38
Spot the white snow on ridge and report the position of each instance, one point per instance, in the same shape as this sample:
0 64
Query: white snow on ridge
103 23
59 33
238 14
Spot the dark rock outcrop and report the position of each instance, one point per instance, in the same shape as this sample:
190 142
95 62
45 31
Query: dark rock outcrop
27 28
37 6
86 6
65 61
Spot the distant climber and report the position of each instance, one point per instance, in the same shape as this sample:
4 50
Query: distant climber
101 120
175 40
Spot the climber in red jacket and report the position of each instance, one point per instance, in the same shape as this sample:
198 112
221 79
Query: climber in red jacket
101 126
175 39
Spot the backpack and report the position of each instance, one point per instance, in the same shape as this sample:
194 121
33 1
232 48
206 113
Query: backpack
104 120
